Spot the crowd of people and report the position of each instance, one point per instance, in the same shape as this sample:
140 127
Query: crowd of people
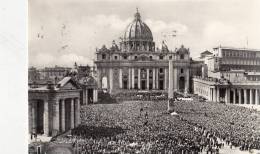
145 127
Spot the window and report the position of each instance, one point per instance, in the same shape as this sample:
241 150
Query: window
161 57
103 56
181 70
170 57
135 57
125 57
182 56
151 57
115 57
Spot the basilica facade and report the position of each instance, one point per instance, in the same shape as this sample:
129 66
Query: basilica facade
137 64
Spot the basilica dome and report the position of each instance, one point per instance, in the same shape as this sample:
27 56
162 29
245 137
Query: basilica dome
138 30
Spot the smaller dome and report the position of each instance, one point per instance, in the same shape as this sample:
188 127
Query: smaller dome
183 50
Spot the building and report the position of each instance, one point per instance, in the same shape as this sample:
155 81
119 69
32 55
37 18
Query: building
233 76
56 72
136 64
54 108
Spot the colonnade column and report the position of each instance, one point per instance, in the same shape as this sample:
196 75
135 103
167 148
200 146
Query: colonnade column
227 97
56 114
239 96
120 78
256 97
33 116
139 78
214 95
77 112
157 78
129 78
147 78
153 78
245 96
133 78
234 96
251 96
46 118
72 113
63 115
217 88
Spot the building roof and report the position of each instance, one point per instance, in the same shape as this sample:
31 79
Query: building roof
206 53
233 48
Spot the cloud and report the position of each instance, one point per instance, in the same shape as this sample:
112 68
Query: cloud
158 26
44 60
221 33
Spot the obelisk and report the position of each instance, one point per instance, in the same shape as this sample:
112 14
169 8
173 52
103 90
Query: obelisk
170 89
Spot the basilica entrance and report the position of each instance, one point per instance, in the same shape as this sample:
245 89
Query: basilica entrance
39 116
125 84
161 85
67 114
143 85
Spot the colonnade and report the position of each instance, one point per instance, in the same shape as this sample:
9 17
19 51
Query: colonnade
235 95
54 115
245 96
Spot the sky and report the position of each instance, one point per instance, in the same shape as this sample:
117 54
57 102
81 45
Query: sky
61 32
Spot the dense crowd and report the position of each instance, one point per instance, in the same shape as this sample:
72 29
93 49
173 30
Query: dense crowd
145 127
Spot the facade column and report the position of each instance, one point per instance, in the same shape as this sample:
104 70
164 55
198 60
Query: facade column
139 78
133 78
245 96
56 114
175 79
251 96
120 78
129 78
46 118
153 78
166 75
72 113
111 79
256 97
187 81
77 112
239 96
227 97
63 115
234 96
147 78
99 78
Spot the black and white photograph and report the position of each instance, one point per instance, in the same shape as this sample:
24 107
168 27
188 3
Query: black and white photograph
142 76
